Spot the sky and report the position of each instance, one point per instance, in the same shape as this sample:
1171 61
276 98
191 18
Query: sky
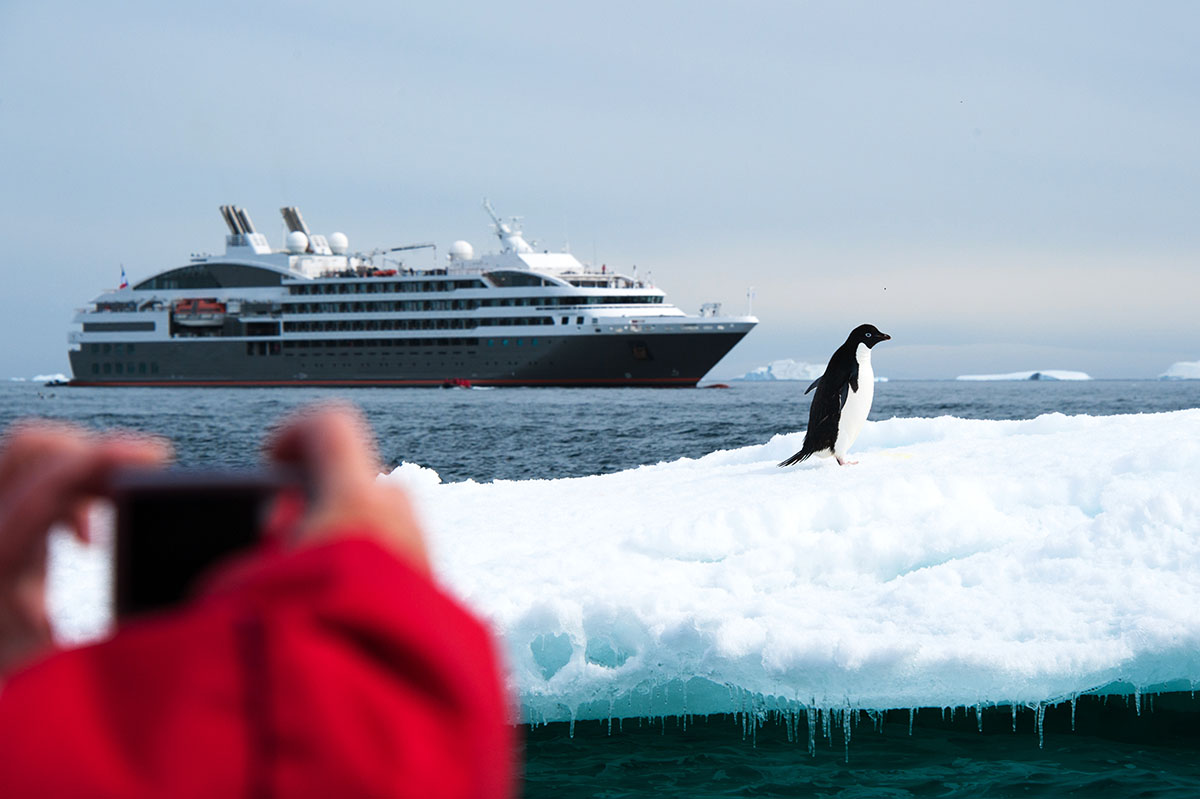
1000 186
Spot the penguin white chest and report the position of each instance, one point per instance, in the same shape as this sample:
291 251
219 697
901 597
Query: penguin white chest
858 403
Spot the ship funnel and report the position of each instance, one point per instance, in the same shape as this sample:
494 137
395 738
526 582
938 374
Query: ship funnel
229 214
294 221
244 217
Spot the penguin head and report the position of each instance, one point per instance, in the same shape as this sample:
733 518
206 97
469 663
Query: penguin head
868 334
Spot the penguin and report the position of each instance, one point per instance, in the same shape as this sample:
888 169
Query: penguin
843 399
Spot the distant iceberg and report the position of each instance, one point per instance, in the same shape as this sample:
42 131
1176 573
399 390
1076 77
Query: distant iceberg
785 369
962 563
1043 374
57 377
1182 370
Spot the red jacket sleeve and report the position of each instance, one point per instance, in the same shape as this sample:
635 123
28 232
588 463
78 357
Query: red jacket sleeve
328 672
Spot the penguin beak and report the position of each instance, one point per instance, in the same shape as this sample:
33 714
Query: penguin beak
884 337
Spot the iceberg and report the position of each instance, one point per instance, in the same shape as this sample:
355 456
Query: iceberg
1182 370
962 563
785 369
1042 374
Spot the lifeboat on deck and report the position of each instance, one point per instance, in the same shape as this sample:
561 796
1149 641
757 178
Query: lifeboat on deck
199 313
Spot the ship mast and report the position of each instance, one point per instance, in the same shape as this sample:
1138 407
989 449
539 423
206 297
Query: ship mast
510 235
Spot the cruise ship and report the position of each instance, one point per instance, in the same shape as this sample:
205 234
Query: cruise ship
314 314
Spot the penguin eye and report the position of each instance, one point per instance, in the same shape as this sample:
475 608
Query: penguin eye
868 335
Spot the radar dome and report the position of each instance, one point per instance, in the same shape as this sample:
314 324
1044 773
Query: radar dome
339 243
297 242
461 251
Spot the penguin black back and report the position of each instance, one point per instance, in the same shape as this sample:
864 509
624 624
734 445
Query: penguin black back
833 389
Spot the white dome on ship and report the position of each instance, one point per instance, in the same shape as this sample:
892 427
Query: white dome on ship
461 251
297 242
339 243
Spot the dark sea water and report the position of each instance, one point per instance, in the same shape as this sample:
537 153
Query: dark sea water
1116 748
519 433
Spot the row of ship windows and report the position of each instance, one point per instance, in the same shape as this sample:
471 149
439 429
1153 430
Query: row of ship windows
113 348
344 346
386 288
461 305
125 368
419 324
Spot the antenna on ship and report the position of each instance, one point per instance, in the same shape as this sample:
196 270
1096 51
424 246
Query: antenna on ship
509 234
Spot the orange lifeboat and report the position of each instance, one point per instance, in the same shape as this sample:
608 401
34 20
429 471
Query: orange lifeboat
199 313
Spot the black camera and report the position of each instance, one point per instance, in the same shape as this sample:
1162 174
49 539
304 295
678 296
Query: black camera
174 525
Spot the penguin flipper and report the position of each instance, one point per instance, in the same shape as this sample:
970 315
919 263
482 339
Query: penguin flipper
848 386
815 383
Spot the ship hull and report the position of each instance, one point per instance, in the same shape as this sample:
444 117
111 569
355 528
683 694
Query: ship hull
672 359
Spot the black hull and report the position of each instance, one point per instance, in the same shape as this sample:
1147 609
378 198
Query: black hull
672 359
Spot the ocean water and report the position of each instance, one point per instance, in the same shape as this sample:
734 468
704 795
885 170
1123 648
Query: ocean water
1115 746
540 433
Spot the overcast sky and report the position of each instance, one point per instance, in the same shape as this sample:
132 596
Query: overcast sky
1000 186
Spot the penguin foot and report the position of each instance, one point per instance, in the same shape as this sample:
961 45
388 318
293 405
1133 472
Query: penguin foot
845 463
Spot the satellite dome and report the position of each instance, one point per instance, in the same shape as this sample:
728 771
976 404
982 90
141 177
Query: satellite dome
461 251
297 242
338 243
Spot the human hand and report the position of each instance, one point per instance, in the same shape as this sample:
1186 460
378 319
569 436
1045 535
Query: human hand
333 445
49 473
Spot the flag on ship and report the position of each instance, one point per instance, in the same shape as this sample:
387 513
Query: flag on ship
124 282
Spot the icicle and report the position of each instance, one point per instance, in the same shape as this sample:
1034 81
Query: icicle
829 727
1137 699
571 729
1014 710
1074 698
610 714
1150 703
811 718
979 717
1041 720
912 716
846 732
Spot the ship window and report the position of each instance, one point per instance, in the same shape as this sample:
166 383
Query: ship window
129 348
95 368
142 368
579 320
211 276
504 342
511 279
107 348
120 368
108 368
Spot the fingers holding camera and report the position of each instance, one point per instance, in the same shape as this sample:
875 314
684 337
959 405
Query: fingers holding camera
335 447
49 473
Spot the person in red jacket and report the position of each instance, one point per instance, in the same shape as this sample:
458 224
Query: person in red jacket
326 664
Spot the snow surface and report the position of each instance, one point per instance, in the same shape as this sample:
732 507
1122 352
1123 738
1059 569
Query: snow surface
1182 370
963 562
1041 374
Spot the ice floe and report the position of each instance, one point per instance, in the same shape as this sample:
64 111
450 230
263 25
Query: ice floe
1041 374
961 563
